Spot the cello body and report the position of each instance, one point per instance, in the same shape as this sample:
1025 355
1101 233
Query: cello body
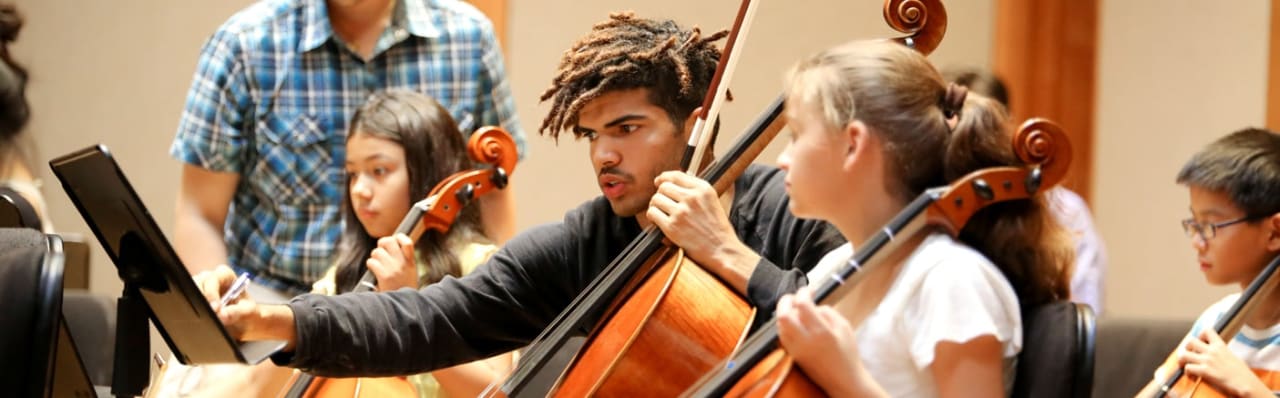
777 376
678 324
1181 384
1192 387
327 387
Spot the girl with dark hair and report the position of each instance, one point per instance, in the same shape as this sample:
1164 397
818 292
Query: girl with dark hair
874 124
400 144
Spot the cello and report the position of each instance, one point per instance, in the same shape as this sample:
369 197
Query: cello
1178 383
763 369
489 145
651 299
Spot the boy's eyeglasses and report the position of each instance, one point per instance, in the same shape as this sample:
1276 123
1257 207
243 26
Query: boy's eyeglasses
1208 230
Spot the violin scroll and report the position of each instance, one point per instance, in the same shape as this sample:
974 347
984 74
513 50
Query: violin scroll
925 21
489 145
492 145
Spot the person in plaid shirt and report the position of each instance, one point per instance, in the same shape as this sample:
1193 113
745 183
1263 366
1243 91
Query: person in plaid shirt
262 133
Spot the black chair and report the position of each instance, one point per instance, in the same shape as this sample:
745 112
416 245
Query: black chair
1130 349
37 356
1057 351
91 318
16 212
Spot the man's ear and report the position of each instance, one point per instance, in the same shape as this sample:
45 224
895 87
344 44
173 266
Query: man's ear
1273 239
856 135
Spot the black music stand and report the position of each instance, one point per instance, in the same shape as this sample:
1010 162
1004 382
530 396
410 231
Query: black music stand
156 284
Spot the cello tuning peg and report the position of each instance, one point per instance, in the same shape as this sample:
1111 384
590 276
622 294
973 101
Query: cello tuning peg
1033 181
499 177
983 189
465 194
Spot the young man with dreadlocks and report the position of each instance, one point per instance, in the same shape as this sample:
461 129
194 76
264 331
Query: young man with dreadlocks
629 87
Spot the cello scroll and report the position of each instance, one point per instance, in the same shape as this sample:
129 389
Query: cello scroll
1039 143
925 21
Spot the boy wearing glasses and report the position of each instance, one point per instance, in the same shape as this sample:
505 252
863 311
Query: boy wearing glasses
1235 229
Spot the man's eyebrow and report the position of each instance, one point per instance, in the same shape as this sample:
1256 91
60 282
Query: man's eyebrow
623 119
579 130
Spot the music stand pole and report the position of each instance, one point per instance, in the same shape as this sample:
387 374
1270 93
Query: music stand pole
130 370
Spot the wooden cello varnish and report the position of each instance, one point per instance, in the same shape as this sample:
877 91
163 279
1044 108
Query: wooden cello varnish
681 308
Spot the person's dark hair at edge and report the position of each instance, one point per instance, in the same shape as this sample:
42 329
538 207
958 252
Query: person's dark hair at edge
14 110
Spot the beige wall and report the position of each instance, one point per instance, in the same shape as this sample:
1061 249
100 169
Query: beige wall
114 73
117 73
1173 76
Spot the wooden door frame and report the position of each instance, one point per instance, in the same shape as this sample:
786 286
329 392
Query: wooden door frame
1273 70
496 10
1046 51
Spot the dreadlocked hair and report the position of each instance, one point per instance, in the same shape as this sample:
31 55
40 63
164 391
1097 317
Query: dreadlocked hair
627 52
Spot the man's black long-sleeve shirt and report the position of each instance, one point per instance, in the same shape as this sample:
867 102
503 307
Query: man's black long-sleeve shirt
506 302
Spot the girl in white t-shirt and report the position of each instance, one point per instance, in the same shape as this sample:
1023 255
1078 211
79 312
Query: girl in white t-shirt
872 126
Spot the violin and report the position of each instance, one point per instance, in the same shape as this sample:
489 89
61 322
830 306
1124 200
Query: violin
665 321
762 369
1179 384
489 145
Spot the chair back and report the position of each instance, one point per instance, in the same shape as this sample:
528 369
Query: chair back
1057 351
16 211
31 290
91 319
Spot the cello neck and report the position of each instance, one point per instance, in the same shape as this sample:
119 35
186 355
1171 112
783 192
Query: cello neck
1231 322
1262 287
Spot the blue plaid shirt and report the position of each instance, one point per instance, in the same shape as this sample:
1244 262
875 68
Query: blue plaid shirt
271 97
